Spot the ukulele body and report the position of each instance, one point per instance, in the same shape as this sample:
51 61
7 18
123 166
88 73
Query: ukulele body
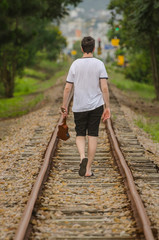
63 131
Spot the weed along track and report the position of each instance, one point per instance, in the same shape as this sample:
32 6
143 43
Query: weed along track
74 207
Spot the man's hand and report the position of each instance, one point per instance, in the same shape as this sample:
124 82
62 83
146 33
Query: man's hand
66 94
106 114
64 111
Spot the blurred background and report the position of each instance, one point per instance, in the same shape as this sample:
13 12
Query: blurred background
40 39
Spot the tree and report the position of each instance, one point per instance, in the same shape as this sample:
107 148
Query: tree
146 26
140 28
52 41
22 23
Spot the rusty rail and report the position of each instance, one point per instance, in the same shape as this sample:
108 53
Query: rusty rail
24 222
125 171
133 194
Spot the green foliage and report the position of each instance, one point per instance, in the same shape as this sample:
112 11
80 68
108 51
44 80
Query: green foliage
7 106
139 34
108 58
35 74
25 85
53 43
141 89
34 80
150 127
51 81
50 41
139 68
145 20
49 65
110 34
25 29
18 106
77 48
29 88
120 51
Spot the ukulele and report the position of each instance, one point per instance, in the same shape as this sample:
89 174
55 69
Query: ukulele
63 130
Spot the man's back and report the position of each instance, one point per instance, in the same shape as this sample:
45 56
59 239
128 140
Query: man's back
85 73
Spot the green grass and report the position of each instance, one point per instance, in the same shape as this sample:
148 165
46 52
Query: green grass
25 86
52 66
142 90
28 85
18 106
48 64
51 81
10 105
150 127
35 80
35 74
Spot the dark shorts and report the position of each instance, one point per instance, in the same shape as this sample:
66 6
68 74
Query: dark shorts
88 121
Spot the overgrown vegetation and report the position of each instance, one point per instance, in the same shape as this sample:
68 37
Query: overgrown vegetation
149 126
143 90
136 24
29 89
18 106
77 48
137 90
26 28
139 68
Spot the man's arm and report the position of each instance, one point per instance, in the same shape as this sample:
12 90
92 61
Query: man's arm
66 93
105 92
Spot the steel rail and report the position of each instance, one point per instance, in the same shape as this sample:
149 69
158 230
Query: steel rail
21 232
22 229
128 177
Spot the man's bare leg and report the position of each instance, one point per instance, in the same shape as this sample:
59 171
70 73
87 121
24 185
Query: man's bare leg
92 145
80 142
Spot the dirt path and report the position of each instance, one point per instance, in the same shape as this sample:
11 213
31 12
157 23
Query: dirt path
132 101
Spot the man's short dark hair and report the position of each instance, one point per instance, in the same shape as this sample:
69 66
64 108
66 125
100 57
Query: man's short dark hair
88 44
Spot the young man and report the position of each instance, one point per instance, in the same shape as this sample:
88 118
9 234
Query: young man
90 102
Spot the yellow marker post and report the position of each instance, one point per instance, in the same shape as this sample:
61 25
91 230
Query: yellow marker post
115 42
73 52
120 60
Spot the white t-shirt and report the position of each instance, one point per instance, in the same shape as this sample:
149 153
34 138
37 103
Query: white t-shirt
85 74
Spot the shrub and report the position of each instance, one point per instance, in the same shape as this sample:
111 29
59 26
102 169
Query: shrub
139 68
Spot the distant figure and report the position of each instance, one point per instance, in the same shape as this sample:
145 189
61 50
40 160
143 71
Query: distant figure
90 101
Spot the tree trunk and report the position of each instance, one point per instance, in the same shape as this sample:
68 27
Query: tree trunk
9 85
154 68
7 77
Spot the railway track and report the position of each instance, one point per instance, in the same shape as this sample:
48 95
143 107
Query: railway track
106 206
